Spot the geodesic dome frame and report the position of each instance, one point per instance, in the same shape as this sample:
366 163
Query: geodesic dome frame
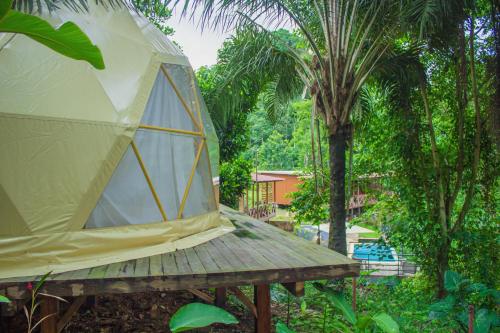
102 166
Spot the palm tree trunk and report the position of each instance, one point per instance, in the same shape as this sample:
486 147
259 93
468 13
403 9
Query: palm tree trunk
337 146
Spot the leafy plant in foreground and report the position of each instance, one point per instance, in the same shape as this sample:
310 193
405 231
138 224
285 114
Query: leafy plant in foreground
68 39
353 322
462 293
196 315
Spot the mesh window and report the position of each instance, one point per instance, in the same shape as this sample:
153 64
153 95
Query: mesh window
164 108
201 195
168 158
126 199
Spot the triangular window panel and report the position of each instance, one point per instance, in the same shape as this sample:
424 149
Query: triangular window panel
166 109
184 81
127 198
201 197
168 158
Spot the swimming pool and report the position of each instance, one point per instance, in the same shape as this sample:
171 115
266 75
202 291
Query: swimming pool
373 252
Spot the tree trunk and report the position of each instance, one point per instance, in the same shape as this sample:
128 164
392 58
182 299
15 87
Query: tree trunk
337 146
442 267
496 103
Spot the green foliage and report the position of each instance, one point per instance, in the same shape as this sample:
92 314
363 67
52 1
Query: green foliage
232 88
310 205
283 143
4 299
395 140
230 119
386 323
357 323
462 293
196 315
68 40
282 328
157 12
235 177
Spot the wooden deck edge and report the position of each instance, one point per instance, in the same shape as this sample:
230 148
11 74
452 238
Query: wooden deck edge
184 282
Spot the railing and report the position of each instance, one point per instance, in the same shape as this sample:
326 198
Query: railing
262 211
401 266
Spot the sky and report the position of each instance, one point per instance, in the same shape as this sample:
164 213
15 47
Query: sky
200 47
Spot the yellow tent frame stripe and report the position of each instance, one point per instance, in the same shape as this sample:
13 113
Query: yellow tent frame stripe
172 130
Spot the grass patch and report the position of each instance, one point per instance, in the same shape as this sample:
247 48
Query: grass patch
369 235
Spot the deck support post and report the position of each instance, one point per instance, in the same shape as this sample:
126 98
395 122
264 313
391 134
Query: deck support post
262 299
220 297
49 307
295 288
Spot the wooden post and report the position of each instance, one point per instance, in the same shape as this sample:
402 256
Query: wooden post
246 191
262 299
253 195
354 294
220 297
471 318
49 307
257 193
295 288
267 192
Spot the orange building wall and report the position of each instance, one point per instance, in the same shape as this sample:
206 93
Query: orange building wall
288 185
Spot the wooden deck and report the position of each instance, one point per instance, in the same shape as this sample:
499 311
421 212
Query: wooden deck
255 253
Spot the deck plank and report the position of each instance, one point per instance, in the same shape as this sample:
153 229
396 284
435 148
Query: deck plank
206 259
295 256
113 270
127 269
182 262
142 267
155 265
218 257
229 255
98 272
168 263
194 262
252 259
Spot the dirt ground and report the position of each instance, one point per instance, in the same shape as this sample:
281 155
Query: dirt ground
137 313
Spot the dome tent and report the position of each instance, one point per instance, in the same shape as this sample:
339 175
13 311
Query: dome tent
102 166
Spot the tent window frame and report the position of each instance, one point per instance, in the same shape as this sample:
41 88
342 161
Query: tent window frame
201 146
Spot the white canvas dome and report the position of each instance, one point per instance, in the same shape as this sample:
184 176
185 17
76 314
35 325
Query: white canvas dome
102 166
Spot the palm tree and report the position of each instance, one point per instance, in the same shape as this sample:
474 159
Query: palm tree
344 41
